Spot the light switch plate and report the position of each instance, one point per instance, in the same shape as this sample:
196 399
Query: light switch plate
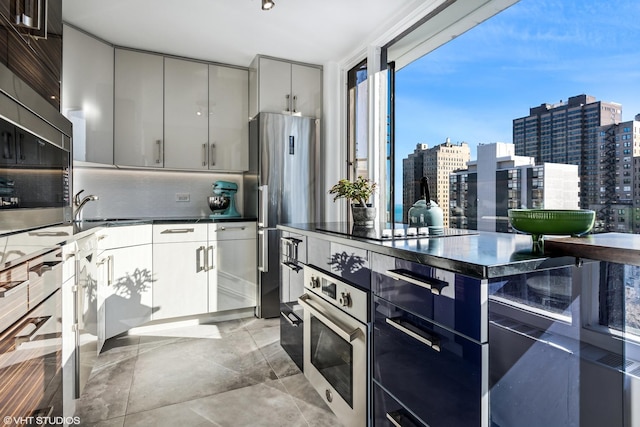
183 197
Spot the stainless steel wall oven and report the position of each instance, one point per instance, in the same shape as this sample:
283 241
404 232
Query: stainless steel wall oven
335 344
35 160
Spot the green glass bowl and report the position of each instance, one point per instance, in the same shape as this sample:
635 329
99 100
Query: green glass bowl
538 222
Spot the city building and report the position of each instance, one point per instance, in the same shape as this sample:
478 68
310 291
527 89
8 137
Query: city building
436 164
499 180
618 151
567 132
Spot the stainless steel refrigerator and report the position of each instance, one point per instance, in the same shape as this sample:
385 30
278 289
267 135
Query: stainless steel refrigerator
279 188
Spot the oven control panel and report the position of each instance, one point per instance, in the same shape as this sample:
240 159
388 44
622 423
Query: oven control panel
340 294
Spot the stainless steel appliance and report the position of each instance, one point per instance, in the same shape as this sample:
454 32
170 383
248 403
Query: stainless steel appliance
280 187
335 344
35 164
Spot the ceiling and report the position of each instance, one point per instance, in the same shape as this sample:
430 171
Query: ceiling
234 31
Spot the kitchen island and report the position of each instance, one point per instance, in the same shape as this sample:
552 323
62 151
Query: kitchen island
474 329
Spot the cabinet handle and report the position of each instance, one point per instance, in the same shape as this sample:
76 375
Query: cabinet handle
424 337
291 318
212 154
200 265
6 150
210 254
434 285
348 336
291 266
223 228
159 145
295 102
21 155
177 230
29 329
109 270
204 154
9 288
401 418
288 97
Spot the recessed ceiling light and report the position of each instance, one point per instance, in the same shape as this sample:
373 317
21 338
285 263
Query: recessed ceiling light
267 4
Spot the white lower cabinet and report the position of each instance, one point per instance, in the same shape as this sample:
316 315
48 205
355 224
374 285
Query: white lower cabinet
235 283
181 257
125 276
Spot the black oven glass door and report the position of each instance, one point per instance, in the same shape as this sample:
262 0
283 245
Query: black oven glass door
332 356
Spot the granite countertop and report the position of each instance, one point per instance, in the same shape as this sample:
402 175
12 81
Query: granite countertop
482 254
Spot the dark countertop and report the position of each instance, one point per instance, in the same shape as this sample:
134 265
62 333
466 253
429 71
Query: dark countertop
621 248
21 246
483 255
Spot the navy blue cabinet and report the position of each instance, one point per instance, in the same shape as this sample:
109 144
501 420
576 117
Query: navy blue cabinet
430 345
437 374
451 300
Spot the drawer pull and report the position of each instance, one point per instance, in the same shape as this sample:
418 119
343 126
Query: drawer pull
291 318
291 266
401 418
434 285
177 230
405 327
30 328
348 336
230 228
9 288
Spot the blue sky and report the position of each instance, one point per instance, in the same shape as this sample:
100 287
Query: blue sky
537 51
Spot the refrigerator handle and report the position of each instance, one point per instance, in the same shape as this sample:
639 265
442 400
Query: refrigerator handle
263 251
263 206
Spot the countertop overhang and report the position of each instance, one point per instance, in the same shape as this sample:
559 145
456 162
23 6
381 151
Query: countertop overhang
483 255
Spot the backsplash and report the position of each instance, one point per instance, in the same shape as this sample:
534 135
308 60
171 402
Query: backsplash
127 193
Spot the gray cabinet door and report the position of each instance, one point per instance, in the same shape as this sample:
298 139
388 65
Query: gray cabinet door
138 122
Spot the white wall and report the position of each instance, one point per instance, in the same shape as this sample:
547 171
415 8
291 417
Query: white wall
127 193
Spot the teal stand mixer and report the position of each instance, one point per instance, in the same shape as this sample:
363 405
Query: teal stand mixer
223 201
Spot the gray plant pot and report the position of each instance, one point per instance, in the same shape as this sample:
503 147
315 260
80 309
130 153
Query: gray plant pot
363 215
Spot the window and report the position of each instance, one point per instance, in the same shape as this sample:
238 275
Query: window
357 121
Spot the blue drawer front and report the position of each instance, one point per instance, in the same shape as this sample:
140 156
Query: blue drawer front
386 407
346 262
455 301
443 388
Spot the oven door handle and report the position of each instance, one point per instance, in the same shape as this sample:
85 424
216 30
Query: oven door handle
346 335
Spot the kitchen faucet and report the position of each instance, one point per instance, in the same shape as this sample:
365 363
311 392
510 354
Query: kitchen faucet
80 204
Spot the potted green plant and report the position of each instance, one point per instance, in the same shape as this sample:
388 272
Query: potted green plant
358 192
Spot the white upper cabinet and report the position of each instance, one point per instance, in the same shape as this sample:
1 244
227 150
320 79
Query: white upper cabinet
186 114
87 95
138 127
228 118
306 90
279 86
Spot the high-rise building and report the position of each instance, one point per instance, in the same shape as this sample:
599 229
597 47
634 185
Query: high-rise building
499 180
437 163
567 132
412 171
618 150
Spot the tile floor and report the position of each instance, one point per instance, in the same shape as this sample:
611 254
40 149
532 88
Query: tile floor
232 373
